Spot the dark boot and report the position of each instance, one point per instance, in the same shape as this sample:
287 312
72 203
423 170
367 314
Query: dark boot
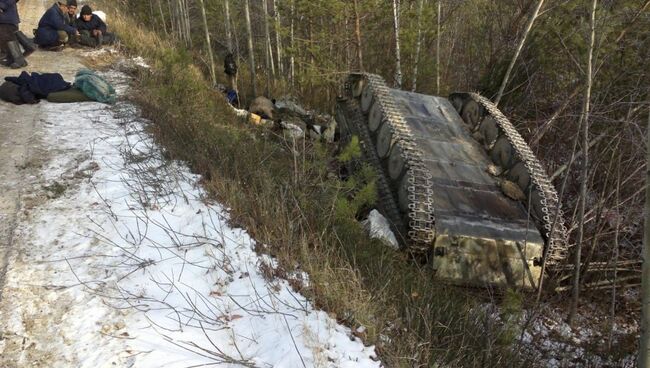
28 45
86 39
16 54
100 40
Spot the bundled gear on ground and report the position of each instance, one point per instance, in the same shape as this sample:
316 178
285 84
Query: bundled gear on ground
31 88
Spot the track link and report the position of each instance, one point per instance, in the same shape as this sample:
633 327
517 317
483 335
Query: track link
552 219
420 232
387 201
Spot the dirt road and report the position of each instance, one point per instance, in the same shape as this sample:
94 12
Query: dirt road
20 145
23 154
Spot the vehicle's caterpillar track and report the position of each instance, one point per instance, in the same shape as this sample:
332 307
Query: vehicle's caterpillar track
386 200
419 214
540 193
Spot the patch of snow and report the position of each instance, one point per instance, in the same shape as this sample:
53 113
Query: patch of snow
139 61
132 265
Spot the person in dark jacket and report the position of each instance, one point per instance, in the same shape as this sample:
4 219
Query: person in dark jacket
53 29
92 29
9 46
72 12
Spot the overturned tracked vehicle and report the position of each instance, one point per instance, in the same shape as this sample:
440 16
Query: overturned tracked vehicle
457 182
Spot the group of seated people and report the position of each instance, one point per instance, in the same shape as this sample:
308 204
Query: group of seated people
60 25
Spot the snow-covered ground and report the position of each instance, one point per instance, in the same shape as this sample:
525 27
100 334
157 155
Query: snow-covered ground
122 261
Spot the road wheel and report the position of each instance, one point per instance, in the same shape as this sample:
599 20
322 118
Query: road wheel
396 163
502 153
489 130
518 174
366 98
384 141
375 117
471 113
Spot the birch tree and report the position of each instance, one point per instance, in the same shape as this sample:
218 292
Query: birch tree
268 55
644 344
357 34
213 75
181 21
575 294
278 43
267 35
438 47
520 46
418 46
162 16
398 62
251 54
292 71
228 25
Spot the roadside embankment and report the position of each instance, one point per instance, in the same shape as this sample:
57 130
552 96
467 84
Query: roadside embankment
287 194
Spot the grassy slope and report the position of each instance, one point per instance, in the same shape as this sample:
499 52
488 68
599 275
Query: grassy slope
306 215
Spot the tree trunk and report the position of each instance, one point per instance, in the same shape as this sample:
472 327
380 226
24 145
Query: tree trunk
162 17
644 344
268 54
173 13
184 23
213 73
348 50
278 43
172 23
188 28
612 305
575 294
398 61
228 26
417 48
357 33
529 26
152 17
232 79
438 49
292 71
251 54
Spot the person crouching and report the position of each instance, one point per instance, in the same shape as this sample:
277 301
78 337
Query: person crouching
92 29
71 17
53 30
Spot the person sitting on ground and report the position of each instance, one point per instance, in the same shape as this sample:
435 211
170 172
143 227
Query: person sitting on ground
92 29
72 12
53 30
9 46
